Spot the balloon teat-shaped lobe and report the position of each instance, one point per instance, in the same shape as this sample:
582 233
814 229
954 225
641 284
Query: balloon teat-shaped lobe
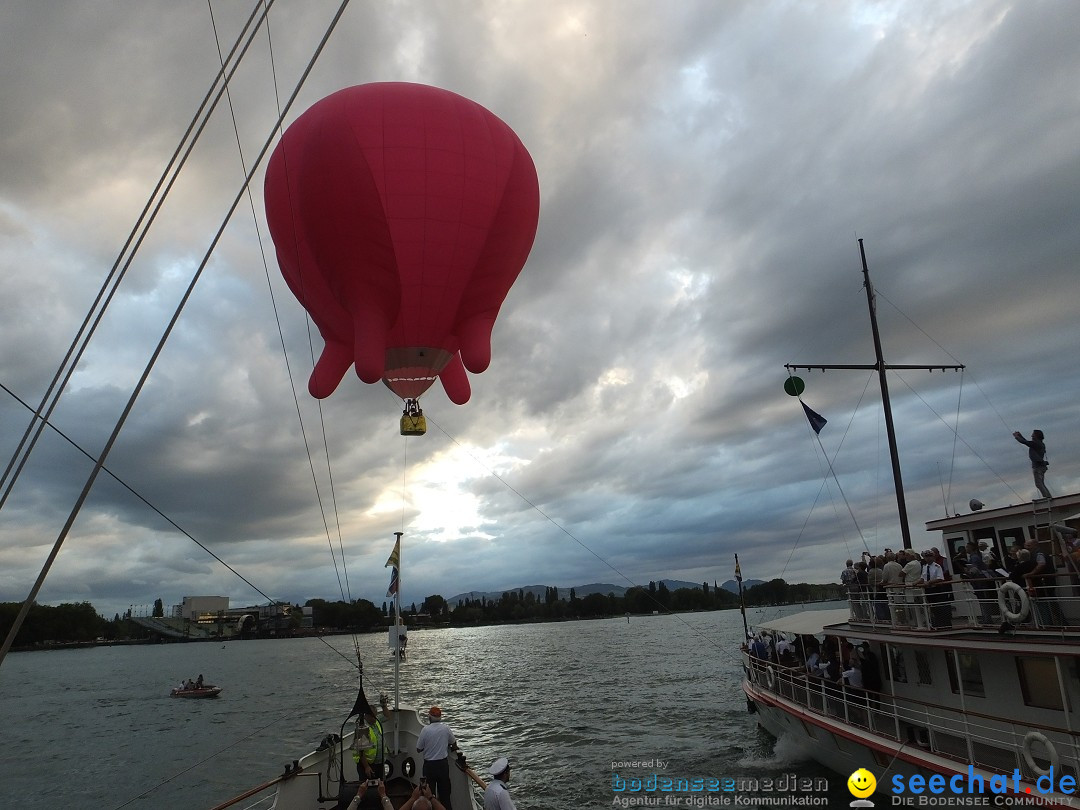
402 214
474 337
334 361
455 381
369 338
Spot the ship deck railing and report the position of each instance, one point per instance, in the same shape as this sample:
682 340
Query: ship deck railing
992 743
970 604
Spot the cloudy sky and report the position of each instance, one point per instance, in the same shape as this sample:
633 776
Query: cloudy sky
706 169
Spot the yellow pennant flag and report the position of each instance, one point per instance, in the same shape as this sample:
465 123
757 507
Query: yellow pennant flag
395 555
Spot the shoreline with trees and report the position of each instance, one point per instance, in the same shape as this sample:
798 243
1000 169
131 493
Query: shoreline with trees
79 625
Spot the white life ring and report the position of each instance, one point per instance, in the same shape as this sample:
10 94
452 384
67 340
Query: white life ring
770 676
1008 593
1051 753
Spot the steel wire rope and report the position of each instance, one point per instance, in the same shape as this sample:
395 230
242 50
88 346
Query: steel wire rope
99 463
956 431
958 437
832 472
281 336
974 381
825 482
156 509
201 545
117 273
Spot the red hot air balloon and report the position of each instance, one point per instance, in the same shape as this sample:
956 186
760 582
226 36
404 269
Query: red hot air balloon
401 214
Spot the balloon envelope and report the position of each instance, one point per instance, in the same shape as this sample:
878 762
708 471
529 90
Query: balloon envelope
401 215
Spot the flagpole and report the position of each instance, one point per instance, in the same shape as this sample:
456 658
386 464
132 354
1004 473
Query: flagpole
742 602
880 366
397 629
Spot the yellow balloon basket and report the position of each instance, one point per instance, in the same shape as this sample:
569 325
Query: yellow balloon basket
413 424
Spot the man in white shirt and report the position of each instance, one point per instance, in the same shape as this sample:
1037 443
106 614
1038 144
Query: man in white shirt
912 568
892 576
434 742
937 592
853 677
914 614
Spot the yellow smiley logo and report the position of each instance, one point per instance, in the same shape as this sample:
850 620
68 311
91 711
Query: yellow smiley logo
861 783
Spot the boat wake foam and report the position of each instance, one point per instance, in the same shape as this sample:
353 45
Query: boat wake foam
786 753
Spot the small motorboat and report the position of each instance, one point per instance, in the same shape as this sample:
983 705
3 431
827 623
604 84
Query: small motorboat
204 691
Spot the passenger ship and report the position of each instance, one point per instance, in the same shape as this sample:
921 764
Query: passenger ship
983 708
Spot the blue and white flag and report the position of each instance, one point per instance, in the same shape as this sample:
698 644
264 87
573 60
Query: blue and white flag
393 589
817 421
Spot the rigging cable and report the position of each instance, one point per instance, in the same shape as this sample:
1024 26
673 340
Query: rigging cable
116 275
974 381
77 507
956 432
281 336
960 438
156 509
825 483
277 320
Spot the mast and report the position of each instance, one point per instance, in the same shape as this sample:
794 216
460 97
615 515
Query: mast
894 454
880 366
397 632
742 601
397 650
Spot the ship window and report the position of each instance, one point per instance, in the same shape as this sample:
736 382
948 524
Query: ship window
1010 537
1039 682
922 664
897 671
970 674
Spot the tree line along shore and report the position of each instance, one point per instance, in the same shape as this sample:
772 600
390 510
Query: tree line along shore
80 624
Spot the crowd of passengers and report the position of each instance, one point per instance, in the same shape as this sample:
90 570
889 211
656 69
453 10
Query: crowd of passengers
871 581
833 661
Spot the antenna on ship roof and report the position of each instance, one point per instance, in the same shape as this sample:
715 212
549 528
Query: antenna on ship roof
881 367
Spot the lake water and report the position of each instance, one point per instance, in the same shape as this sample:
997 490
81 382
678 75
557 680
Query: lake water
96 728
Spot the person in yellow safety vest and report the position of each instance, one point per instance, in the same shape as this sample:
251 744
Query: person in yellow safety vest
365 757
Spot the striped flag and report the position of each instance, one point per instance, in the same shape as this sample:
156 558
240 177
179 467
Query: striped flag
395 557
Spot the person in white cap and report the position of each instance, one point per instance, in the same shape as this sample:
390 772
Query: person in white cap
434 742
497 796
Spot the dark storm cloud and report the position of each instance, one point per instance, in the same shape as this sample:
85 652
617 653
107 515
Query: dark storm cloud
704 172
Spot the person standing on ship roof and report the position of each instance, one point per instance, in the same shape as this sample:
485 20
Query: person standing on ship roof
1037 453
434 742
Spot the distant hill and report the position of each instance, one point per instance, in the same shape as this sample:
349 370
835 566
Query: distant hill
580 591
733 587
